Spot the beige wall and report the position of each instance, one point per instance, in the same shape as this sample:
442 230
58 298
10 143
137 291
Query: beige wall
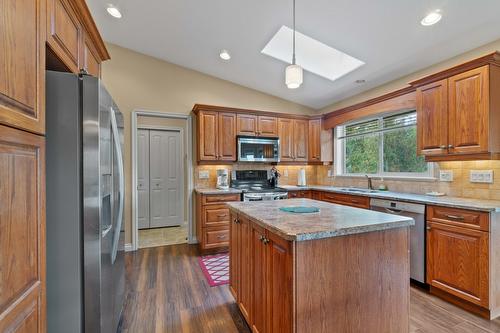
137 81
403 81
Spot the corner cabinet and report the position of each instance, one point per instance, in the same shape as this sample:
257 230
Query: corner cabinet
457 116
320 142
216 135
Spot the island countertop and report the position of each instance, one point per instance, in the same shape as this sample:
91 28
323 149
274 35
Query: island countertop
332 220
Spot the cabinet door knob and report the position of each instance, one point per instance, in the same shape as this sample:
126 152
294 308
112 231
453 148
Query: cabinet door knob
261 238
266 241
428 228
235 220
442 147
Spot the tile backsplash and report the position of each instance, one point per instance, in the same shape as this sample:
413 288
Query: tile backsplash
318 175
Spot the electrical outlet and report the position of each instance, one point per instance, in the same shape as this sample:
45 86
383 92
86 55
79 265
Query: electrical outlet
285 173
446 175
330 173
481 176
203 174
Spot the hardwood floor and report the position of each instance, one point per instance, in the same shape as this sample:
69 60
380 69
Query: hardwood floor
167 292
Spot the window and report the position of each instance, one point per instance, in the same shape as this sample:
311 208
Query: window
383 146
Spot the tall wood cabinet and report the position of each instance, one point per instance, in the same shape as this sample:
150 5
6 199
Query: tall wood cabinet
35 35
22 231
457 116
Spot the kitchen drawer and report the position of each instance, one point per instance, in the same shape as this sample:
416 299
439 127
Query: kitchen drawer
346 199
216 198
216 237
459 217
299 194
216 215
316 195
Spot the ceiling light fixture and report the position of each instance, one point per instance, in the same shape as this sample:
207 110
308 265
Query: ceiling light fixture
224 55
431 18
293 72
113 11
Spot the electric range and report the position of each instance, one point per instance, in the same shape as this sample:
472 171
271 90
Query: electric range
256 187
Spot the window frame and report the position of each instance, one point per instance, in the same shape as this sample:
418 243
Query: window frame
340 152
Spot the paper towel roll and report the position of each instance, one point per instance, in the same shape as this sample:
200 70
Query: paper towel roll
301 178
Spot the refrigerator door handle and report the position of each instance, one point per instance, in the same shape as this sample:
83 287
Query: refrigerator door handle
121 185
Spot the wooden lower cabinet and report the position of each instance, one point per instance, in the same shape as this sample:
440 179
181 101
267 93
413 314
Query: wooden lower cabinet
212 220
299 194
22 231
346 199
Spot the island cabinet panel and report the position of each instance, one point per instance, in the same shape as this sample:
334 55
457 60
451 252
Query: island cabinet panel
279 284
258 255
22 64
333 294
432 106
234 257
22 231
457 262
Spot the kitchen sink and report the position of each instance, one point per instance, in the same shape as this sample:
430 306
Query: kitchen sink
358 190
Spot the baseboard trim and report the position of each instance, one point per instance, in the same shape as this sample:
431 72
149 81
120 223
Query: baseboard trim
193 240
129 247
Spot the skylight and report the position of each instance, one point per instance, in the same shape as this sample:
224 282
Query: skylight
312 55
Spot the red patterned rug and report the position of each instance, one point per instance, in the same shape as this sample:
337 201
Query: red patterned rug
215 268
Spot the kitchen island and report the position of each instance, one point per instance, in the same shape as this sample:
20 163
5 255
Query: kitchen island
342 269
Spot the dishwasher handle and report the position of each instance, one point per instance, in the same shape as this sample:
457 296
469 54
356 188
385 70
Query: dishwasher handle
393 211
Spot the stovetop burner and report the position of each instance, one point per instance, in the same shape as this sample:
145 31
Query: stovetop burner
254 181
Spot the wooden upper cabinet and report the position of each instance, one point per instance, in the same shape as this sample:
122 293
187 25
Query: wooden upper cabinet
300 140
22 64
458 262
285 134
227 136
216 136
314 139
267 126
22 236
432 114
247 124
207 136
64 33
90 60
253 125
468 111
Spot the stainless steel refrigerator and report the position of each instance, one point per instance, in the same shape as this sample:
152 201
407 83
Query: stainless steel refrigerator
85 201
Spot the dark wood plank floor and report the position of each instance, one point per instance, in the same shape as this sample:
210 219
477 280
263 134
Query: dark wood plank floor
167 292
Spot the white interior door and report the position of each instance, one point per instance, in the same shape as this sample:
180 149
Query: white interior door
166 178
143 178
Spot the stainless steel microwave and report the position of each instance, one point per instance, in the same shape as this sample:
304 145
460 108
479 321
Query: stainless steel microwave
252 149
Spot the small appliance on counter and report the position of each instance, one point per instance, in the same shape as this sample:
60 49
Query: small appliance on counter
301 178
222 179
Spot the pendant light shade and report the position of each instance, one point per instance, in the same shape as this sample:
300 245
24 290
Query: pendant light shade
293 72
293 76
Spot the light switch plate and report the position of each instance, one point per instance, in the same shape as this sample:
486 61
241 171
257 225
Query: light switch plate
285 173
446 175
203 174
481 176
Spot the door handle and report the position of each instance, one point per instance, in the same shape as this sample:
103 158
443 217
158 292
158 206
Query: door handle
121 185
106 230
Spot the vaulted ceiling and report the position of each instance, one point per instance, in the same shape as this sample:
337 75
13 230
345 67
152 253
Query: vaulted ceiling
385 34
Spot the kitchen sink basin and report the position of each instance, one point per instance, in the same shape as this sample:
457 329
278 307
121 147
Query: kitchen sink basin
358 190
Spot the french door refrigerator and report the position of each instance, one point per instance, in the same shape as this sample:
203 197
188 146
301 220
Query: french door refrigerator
85 202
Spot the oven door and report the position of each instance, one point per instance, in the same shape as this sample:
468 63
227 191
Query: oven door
258 149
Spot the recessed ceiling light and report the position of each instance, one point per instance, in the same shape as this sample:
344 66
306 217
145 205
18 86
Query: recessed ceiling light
431 18
113 11
224 55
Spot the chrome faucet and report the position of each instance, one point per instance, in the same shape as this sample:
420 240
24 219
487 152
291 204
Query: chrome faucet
370 185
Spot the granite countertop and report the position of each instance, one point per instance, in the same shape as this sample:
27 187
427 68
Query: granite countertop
216 191
332 220
455 202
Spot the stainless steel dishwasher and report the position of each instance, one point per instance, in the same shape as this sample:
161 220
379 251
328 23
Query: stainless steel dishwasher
417 232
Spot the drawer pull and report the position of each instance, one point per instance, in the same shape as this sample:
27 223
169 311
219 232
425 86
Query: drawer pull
222 215
221 237
454 217
354 201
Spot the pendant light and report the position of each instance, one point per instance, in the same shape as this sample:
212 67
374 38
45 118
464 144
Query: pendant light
293 73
